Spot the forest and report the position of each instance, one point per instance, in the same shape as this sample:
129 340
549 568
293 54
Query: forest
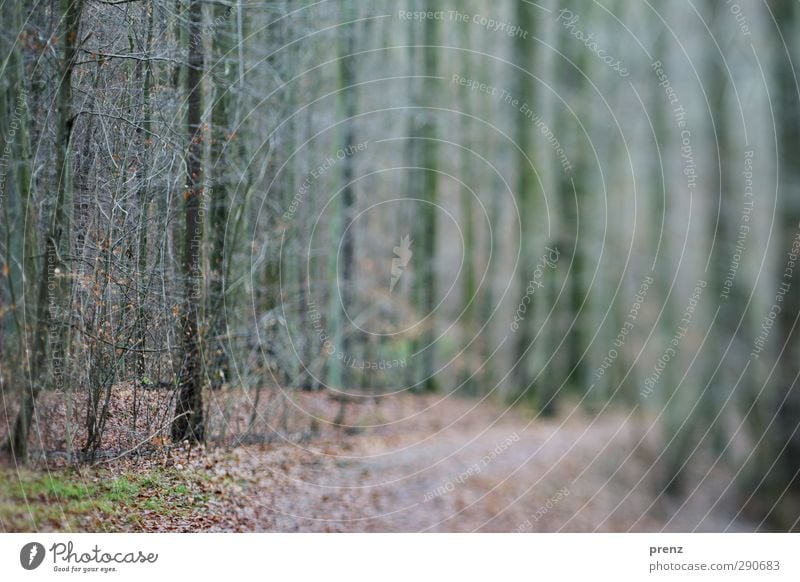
376 266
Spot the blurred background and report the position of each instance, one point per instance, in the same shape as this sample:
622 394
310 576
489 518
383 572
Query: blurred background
248 222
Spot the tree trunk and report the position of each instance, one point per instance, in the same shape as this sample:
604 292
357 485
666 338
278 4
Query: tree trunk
188 423
224 77
426 282
784 479
526 193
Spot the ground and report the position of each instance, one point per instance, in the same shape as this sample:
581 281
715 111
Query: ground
415 463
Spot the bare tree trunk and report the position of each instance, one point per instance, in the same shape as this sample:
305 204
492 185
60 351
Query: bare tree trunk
348 110
224 77
526 195
426 282
188 423
467 159
142 281
784 480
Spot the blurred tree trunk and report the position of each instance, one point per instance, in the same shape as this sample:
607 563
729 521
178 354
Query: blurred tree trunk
295 270
224 77
467 159
784 480
348 110
344 231
725 200
527 193
426 237
574 188
411 161
664 267
188 422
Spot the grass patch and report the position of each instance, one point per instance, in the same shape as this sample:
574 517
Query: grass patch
121 490
97 500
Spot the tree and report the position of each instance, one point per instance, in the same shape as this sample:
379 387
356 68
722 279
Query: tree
427 190
574 188
222 131
342 230
783 479
188 422
469 321
527 193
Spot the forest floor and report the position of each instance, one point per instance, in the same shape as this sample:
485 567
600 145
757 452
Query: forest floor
417 463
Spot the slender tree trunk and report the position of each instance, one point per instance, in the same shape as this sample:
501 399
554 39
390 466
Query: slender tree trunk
188 423
573 189
411 160
526 192
142 281
346 108
467 176
426 282
784 480
224 77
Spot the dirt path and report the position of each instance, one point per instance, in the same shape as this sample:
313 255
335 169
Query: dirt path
460 466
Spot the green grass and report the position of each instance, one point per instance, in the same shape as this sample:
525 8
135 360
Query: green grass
121 490
54 486
93 500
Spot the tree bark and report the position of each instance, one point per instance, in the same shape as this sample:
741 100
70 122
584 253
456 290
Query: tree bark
188 422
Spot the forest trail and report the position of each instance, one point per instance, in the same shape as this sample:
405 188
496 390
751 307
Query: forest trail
469 466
